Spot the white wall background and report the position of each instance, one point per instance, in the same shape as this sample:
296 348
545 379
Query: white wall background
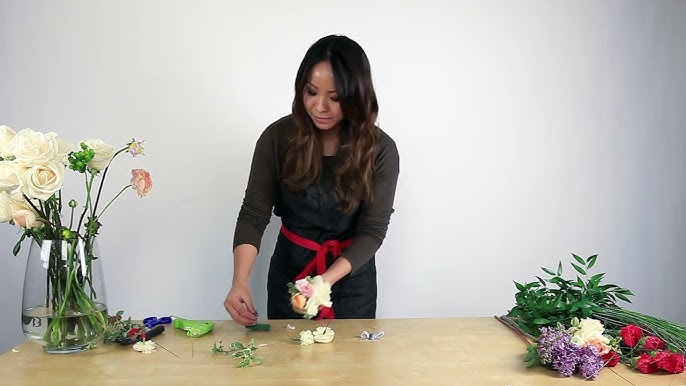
527 130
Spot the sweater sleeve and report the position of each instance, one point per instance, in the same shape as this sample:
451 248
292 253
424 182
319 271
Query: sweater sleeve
260 193
375 216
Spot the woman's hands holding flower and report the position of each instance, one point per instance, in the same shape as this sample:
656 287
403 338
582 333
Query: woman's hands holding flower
309 295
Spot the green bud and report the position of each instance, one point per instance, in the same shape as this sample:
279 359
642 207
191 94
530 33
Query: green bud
84 146
73 203
66 233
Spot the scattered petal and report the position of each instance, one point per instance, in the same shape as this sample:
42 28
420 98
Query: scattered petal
289 327
15 350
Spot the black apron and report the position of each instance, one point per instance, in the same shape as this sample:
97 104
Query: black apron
313 213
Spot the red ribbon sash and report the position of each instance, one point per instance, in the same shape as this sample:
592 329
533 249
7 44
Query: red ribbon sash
318 263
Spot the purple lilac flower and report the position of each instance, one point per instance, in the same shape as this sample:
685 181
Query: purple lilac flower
566 359
551 342
590 362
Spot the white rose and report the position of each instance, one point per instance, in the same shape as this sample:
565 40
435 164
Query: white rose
103 153
322 292
306 338
5 207
6 135
8 176
24 216
589 330
35 148
323 335
42 181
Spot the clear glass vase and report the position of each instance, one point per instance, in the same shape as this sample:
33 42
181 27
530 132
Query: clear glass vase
64 305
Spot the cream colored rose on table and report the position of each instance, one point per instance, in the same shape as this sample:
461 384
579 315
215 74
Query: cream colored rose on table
146 347
103 153
306 338
589 331
323 335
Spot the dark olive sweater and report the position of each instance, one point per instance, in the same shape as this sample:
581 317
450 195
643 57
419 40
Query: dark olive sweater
265 183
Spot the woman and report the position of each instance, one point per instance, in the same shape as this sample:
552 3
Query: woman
330 174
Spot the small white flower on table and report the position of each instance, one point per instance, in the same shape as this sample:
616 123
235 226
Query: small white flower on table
145 347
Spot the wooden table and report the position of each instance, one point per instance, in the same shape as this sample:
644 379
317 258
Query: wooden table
447 351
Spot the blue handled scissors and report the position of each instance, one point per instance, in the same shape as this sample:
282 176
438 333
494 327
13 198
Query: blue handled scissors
153 321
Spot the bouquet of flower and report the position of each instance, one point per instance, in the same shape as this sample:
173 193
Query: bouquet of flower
32 173
582 348
577 325
308 295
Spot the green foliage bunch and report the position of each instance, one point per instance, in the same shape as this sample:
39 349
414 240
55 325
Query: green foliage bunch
556 299
238 350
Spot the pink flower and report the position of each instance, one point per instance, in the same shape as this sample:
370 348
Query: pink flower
305 287
135 148
141 181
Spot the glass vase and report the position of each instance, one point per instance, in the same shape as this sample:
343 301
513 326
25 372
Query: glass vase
64 305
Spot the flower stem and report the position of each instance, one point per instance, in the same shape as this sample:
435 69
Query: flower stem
114 198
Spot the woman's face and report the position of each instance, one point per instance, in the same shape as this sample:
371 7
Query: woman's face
320 97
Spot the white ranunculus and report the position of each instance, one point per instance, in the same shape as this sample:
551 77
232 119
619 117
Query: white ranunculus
5 207
6 135
34 148
103 153
323 335
42 181
8 176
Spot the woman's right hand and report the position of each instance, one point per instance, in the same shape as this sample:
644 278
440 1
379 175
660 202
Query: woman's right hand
239 304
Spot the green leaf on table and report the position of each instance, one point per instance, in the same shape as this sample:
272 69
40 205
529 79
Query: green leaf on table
236 346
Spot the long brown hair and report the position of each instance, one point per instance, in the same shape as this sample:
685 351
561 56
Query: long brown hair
358 136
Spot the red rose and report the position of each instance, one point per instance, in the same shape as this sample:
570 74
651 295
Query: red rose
653 343
610 359
631 334
672 363
646 364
